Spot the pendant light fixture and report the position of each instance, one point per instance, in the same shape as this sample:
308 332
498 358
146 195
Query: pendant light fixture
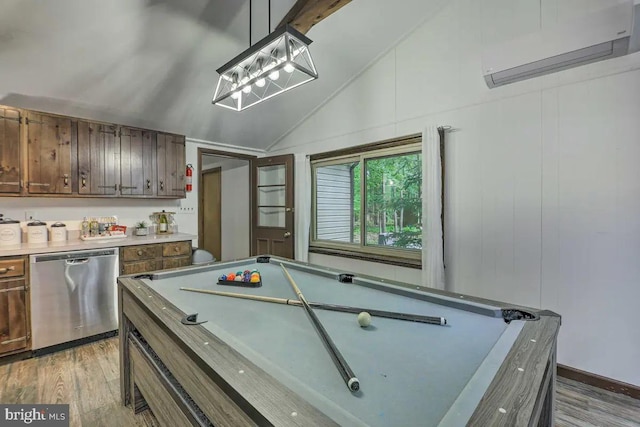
277 63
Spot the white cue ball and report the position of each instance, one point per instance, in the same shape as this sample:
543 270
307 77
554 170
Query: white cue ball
364 319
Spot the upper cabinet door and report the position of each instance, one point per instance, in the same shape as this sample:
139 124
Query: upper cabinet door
137 162
49 154
98 159
9 150
171 165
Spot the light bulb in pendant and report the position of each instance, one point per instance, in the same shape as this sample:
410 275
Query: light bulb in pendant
261 82
247 89
275 75
289 68
235 95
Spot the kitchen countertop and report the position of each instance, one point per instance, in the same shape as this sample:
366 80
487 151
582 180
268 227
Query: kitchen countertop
78 245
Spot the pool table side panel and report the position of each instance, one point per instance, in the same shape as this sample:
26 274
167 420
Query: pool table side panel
265 399
512 388
125 365
206 392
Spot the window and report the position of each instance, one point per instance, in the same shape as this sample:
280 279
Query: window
369 203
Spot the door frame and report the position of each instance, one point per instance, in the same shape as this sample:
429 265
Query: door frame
212 152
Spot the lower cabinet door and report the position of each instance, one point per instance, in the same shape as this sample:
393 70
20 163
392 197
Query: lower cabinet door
13 315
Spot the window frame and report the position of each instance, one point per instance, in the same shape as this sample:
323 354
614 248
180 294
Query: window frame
389 255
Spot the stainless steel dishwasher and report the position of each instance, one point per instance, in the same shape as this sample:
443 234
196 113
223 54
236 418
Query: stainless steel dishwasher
73 295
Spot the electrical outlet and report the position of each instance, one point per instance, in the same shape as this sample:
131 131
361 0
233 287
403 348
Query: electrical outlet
29 215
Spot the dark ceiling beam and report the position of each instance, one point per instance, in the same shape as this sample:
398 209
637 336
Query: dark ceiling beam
306 13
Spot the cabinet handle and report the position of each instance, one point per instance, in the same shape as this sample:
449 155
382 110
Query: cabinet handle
148 184
66 180
139 252
176 249
124 187
115 187
7 269
83 181
287 234
13 340
20 288
162 185
9 183
39 184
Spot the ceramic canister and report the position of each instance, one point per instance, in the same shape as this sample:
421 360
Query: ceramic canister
10 232
37 232
58 232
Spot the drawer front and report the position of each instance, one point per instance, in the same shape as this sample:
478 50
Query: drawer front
136 253
13 267
141 266
176 262
176 249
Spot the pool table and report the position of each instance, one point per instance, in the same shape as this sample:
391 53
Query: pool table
244 362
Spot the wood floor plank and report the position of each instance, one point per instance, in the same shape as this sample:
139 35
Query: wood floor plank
86 378
21 383
583 405
110 366
91 391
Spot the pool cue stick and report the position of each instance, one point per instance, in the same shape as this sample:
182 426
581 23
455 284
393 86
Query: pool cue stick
347 374
433 320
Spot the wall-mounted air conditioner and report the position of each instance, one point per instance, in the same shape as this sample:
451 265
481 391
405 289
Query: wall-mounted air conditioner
589 38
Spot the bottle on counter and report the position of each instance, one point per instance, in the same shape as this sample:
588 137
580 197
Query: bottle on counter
85 226
94 227
163 223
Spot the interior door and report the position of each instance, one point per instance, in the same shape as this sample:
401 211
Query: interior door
272 206
211 203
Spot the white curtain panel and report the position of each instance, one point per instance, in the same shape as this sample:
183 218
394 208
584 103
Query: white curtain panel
432 253
302 182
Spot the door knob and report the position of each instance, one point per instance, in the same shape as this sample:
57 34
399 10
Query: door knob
287 234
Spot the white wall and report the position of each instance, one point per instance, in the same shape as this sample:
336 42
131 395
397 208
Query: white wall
542 184
235 211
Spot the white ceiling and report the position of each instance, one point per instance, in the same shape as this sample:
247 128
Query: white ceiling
151 63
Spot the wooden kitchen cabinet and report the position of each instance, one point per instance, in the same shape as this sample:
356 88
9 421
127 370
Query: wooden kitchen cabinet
156 256
48 154
10 120
44 154
98 159
14 306
171 165
138 162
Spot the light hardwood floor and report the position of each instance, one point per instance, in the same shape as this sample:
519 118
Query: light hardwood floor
86 377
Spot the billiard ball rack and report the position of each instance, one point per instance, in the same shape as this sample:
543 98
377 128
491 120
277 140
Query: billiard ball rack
241 284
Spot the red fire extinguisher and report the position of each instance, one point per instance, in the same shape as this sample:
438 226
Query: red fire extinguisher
189 175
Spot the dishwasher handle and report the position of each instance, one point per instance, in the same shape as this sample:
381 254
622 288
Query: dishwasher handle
78 261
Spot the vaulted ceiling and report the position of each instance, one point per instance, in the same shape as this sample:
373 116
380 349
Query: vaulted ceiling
151 63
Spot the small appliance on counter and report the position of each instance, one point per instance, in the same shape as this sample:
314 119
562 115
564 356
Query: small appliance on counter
164 222
37 232
58 232
10 232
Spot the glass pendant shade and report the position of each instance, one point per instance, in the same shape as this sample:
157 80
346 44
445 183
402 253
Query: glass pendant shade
275 64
